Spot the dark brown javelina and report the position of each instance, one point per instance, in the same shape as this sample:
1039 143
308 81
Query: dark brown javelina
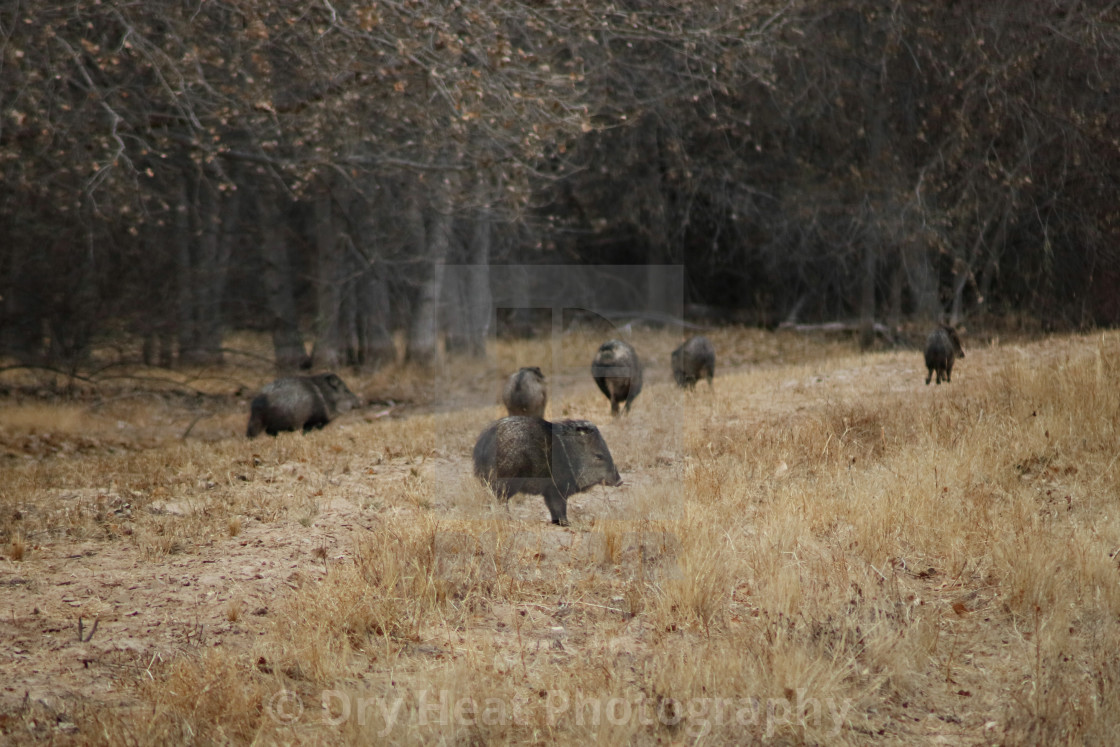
525 393
299 402
942 347
618 372
521 454
694 359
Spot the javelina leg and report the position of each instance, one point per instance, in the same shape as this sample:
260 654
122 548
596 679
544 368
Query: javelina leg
557 506
929 376
613 387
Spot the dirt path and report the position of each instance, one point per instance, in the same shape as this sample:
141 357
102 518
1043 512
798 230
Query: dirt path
134 611
148 610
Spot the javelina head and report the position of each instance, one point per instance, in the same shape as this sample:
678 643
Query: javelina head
335 391
695 358
954 339
582 449
614 353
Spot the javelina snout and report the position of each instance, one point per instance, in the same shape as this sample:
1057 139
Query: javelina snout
694 359
618 373
520 454
942 346
525 393
299 402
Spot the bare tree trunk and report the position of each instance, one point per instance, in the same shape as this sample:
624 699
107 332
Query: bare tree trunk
366 306
156 319
329 246
423 336
991 263
659 296
70 324
894 315
877 104
180 238
468 292
21 327
277 276
922 279
202 251
453 312
962 275
375 345
479 299
867 296
210 273
518 323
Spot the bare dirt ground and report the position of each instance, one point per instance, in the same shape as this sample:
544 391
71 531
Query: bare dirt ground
147 610
84 622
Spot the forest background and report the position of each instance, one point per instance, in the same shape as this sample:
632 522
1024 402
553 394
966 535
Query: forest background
171 172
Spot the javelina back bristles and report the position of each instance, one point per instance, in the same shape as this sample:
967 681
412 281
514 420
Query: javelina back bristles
694 359
525 393
618 373
942 346
299 403
520 454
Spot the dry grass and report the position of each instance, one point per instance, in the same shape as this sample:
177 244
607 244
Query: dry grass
819 550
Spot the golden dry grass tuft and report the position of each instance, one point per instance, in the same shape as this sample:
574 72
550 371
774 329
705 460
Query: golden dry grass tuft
820 549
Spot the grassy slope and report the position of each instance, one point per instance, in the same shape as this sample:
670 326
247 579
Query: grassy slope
822 550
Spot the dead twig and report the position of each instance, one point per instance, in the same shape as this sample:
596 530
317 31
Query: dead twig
92 630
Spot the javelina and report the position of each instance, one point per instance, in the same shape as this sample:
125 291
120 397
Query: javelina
520 454
299 402
525 393
695 358
942 346
618 372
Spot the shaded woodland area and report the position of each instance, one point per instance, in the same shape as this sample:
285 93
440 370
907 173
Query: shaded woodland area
175 170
